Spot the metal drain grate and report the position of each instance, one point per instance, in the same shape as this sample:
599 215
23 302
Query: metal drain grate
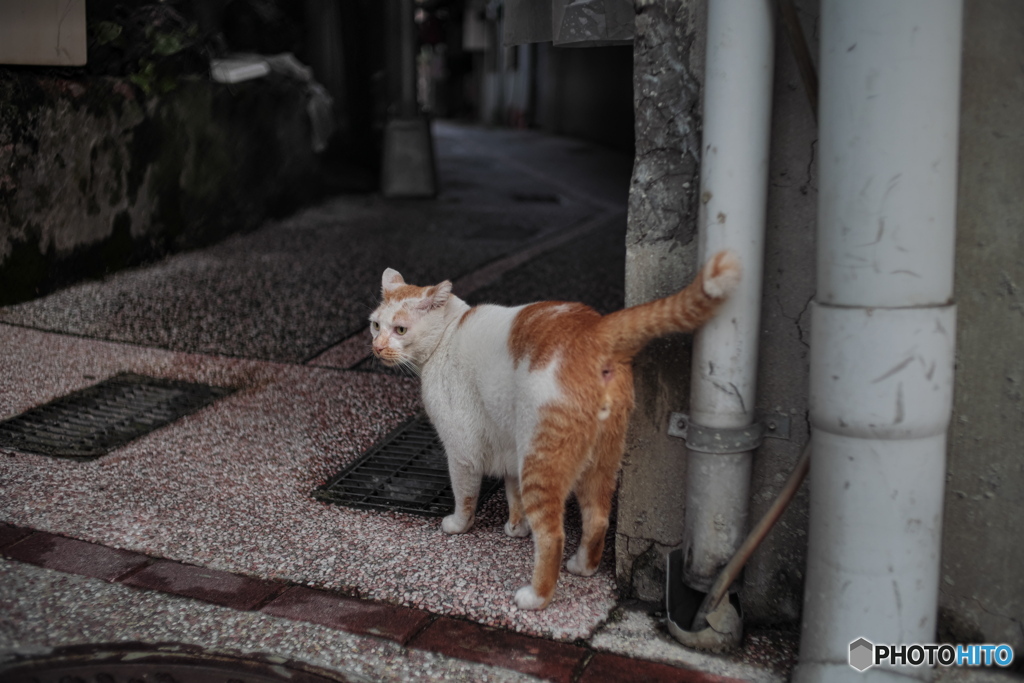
96 420
406 472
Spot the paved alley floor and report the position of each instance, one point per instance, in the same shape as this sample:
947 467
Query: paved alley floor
114 550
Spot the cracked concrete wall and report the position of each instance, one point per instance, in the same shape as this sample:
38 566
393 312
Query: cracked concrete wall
661 257
982 587
773 579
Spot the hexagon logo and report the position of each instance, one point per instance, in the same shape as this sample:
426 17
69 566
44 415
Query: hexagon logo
862 654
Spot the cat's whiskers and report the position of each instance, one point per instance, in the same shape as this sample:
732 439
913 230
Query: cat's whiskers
407 366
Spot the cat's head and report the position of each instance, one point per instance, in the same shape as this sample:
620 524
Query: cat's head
407 325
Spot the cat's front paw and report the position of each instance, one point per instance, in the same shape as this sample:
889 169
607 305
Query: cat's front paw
578 565
722 274
454 524
526 598
520 530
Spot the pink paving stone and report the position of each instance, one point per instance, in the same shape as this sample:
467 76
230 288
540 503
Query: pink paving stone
10 534
464 640
605 668
348 614
75 557
209 585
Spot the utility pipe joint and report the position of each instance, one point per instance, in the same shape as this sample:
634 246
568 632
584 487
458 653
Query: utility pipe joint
711 440
880 373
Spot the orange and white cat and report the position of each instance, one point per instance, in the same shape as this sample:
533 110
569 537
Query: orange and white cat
539 394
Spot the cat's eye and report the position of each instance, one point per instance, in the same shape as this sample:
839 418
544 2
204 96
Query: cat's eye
401 330
375 326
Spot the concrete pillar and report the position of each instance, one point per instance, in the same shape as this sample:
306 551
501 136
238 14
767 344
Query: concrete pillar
661 258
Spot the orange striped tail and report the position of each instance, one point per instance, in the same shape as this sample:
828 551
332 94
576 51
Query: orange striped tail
630 329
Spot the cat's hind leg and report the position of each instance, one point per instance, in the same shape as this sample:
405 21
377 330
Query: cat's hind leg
548 471
517 525
594 493
596 486
466 489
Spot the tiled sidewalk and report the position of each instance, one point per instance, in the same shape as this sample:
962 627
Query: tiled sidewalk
413 628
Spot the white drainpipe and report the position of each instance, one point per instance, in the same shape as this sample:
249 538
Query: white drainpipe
721 434
883 329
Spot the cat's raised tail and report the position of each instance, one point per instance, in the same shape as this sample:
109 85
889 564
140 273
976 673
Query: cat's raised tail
630 329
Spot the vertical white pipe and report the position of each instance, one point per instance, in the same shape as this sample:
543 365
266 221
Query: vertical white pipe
883 329
734 188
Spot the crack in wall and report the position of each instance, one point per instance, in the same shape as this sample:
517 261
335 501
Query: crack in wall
809 171
802 333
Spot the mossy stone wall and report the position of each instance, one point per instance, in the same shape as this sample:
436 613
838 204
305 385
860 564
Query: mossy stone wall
96 176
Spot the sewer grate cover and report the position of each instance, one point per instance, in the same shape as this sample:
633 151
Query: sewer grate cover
94 421
163 663
405 472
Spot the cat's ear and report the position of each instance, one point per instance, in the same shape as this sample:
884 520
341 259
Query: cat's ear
390 281
436 296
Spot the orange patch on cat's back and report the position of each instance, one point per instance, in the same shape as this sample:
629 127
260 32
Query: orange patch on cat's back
541 330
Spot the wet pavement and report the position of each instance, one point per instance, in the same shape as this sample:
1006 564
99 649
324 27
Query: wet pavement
203 534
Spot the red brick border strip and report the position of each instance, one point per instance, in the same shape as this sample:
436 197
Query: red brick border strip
552 660
393 622
75 557
547 659
209 585
9 535
606 667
